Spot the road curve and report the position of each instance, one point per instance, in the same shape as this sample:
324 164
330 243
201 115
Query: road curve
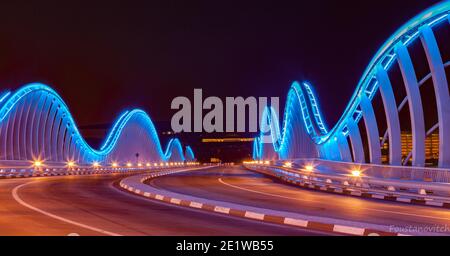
237 185
91 205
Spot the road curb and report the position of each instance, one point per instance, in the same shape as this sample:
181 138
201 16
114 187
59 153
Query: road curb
135 184
349 192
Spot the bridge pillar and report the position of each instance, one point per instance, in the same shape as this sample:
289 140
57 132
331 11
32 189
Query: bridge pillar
343 148
441 91
373 136
355 139
414 103
390 109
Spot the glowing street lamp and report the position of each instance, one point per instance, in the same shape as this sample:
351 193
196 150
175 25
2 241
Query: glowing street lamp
114 164
309 168
129 165
356 173
95 164
287 164
37 163
70 164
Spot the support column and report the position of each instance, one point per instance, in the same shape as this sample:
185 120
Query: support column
414 103
373 136
441 91
391 112
344 150
355 139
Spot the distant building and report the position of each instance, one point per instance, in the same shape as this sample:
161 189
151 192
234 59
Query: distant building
431 148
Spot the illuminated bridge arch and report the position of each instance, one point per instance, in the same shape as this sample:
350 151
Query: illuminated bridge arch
189 155
35 123
346 140
295 137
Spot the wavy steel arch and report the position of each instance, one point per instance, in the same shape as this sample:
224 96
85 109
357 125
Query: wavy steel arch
333 144
35 123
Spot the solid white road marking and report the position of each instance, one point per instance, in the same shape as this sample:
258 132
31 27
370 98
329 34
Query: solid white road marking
175 201
254 215
296 222
348 230
221 209
16 197
264 193
196 205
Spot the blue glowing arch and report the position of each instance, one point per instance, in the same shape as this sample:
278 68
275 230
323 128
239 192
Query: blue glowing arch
189 155
333 144
35 123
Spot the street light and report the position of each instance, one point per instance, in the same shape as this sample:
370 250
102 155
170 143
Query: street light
309 168
287 164
356 173
37 163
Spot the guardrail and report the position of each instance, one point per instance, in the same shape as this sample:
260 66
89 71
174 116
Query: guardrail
135 184
21 172
430 193
414 173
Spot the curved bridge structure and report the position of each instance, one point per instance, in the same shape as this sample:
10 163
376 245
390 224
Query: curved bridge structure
35 124
360 135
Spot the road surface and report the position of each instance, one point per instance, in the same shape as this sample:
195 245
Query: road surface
241 186
90 205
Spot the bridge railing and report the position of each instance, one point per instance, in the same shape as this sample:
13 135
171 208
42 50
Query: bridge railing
23 170
412 173
344 179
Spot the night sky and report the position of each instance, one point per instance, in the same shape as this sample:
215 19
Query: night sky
105 57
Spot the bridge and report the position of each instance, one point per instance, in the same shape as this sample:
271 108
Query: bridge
371 125
383 169
36 126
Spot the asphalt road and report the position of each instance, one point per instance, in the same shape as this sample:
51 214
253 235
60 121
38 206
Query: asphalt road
90 205
241 186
